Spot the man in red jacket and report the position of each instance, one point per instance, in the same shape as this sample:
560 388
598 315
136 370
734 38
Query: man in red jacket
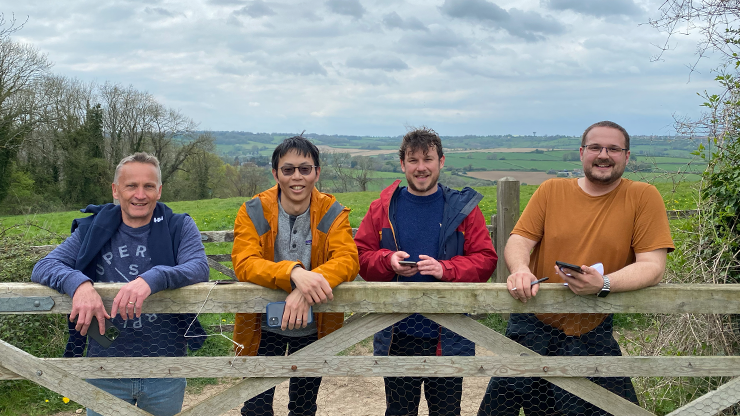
442 232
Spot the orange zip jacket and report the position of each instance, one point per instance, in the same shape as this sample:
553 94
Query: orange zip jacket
333 254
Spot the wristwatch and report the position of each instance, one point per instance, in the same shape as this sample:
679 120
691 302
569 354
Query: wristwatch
605 289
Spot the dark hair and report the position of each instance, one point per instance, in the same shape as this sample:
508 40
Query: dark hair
609 124
422 139
298 143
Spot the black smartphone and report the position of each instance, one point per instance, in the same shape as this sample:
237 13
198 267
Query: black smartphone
563 265
110 335
407 263
275 311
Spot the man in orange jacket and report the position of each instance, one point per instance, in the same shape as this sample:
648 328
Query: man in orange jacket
295 238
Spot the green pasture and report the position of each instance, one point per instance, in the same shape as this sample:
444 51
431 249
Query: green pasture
219 214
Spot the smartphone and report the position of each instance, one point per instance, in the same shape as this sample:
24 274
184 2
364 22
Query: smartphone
110 335
563 265
407 263
275 314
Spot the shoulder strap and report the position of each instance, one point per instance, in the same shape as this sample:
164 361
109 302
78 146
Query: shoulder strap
328 219
257 215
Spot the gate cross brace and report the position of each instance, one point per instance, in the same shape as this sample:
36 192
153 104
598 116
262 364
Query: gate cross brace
500 345
64 383
332 344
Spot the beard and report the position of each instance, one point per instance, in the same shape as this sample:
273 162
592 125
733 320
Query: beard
614 176
432 184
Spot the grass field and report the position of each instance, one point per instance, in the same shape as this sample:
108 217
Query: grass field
219 214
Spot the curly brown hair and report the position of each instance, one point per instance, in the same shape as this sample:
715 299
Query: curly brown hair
422 138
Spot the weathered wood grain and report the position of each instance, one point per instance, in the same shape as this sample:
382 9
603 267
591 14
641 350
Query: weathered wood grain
64 383
713 402
507 214
499 344
441 297
368 366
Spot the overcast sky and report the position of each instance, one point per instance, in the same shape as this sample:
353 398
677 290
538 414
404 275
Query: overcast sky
366 67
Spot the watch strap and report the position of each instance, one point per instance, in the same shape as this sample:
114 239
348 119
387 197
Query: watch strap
606 289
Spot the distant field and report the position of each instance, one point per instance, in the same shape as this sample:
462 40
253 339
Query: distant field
530 178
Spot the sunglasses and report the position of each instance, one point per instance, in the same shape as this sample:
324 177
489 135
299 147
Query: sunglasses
303 169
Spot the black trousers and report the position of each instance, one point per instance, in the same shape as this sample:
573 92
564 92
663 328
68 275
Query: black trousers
302 391
403 394
538 397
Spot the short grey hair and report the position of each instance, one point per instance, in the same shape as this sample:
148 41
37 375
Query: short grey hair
141 157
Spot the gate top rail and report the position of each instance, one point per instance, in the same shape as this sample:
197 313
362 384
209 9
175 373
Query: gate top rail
377 297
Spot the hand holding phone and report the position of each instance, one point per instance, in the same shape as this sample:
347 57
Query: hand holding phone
563 265
110 335
275 312
407 263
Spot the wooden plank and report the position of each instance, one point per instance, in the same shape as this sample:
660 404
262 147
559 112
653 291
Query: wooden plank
440 297
331 344
507 214
499 344
217 236
219 257
215 265
64 383
713 402
369 366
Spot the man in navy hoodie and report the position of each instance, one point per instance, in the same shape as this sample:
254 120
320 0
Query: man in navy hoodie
143 243
443 232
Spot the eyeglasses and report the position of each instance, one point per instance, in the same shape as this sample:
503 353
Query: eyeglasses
303 169
596 149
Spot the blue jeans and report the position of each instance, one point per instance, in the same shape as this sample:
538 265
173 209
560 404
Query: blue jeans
538 397
158 396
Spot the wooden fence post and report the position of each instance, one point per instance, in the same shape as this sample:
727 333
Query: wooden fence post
507 208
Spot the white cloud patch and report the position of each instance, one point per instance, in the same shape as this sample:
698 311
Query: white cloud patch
360 67
598 8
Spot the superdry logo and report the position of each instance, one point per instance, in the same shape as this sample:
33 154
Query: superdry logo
158 219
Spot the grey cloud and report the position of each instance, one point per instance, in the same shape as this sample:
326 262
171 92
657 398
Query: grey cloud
346 7
377 61
161 12
598 8
394 21
437 42
527 25
256 10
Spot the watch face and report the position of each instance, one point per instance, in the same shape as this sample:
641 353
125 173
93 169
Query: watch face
602 293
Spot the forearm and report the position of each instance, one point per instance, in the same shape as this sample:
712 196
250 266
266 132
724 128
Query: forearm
517 252
646 271
56 270
375 266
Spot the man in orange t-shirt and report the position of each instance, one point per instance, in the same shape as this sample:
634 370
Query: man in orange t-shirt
599 218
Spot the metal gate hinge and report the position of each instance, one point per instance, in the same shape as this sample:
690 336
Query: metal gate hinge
26 304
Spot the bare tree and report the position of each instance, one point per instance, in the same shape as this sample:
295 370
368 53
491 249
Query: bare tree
363 170
21 68
348 173
246 180
716 20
